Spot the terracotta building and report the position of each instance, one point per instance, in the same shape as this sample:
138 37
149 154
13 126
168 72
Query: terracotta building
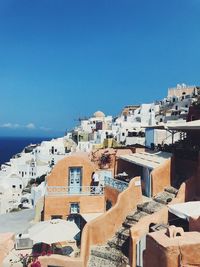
70 190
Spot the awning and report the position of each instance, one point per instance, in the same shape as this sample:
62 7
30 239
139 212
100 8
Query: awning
145 159
186 210
90 216
187 126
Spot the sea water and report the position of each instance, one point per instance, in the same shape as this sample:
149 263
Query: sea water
9 146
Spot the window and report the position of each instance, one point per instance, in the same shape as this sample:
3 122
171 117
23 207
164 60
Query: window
20 186
56 217
13 186
123 134
74 208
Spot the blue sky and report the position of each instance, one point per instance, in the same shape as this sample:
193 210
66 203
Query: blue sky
61 60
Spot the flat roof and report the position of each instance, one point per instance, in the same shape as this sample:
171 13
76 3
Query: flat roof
147 159
191 125
185 210
179 126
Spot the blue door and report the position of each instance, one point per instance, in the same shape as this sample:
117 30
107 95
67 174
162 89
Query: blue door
75 177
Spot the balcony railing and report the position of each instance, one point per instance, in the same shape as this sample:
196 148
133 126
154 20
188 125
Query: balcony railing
86 190
114 183
72 190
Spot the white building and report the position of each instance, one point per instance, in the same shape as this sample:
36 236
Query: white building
10 193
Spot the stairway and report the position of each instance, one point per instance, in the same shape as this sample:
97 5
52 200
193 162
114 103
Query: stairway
115 252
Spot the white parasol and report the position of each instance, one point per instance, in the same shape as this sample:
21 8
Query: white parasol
53 231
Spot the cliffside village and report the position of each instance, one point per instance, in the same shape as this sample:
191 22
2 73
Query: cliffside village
128 186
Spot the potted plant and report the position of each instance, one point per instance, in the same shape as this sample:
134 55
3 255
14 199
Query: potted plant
105 160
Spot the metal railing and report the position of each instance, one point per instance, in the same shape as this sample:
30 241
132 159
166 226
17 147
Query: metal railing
114 183
86 190
72 190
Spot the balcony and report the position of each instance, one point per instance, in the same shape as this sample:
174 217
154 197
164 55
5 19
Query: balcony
86 190
71 190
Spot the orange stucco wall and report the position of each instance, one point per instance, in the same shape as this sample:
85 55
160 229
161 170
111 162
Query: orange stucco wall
61 205
142 227
60 174
104 227
111 194
6 245
161 177
172 251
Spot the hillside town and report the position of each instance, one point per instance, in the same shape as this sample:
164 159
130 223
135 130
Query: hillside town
114 191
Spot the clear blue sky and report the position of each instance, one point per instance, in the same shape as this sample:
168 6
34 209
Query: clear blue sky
63 59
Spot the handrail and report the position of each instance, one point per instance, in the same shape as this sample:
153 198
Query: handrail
119 185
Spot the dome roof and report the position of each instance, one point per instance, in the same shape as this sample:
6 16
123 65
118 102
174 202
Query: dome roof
99 114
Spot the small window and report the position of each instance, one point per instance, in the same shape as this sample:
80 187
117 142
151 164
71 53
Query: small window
13 186
123 134
20 186
56 217
74 208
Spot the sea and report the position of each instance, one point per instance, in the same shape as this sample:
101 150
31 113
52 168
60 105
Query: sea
10 146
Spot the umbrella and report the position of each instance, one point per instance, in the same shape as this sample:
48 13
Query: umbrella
186 209
53 231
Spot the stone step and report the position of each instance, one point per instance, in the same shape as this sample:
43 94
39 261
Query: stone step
164 197
117 243
108 253
150 207
100 262
171 189
136 216
123 233
128 224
